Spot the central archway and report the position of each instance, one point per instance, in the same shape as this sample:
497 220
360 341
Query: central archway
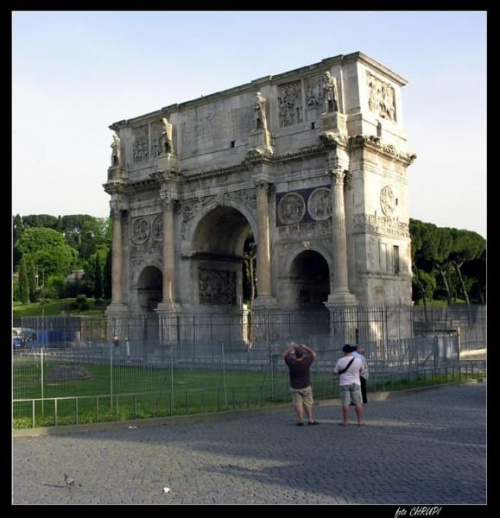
220 259
218 266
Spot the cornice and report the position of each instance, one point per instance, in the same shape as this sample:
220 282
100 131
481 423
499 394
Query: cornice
375 144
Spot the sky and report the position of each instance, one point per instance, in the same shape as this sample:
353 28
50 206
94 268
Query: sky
76 72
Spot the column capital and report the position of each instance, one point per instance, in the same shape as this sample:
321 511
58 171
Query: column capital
118 208
338 175
168 202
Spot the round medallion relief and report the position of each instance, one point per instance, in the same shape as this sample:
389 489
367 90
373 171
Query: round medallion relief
140 231
319 204
157 228
387 201
291 208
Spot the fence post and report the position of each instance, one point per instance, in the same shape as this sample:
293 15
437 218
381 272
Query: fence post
41 378
224 374
172 396
111 376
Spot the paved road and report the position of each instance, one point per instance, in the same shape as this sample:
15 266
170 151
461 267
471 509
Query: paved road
425 448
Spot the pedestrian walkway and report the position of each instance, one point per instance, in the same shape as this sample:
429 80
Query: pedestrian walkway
427 448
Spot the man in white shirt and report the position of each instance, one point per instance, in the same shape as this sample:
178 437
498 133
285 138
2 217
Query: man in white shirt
349 369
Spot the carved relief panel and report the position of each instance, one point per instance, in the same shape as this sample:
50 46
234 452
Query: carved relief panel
290 104
387 201
291 208
381 98
140 147
156 139
157 228
303 206
140 231
217 286
320 204
315 97
147 232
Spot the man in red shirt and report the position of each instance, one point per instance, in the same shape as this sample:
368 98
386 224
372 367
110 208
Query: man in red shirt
299 365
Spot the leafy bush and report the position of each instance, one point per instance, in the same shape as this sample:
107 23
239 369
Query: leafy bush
84 307
81 299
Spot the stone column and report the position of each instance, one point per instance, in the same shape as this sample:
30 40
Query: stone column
167 310
264 297
117 264
340 294
168 252
117 311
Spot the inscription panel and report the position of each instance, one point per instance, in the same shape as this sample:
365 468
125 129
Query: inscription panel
214 126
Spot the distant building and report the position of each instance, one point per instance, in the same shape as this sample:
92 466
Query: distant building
75 275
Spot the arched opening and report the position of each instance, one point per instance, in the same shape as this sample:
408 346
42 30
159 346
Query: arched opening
150 294
310 280
150 289
223 259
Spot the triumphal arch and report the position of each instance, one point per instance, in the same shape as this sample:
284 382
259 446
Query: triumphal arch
306 170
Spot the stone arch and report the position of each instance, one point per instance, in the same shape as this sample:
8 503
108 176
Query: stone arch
249 215
314 247
149 288
216 269
308 274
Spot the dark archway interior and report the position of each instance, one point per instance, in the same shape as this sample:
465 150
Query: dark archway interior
310 277
222 231
223 237
150 288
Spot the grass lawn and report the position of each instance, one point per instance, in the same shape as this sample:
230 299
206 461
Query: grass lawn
129 392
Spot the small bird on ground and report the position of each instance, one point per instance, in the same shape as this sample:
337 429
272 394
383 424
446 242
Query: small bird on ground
70 482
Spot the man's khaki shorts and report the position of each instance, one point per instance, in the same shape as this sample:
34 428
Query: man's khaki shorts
350 394
304 396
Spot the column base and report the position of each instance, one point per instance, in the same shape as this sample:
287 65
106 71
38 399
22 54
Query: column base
167 307
117 310
341 298
265 302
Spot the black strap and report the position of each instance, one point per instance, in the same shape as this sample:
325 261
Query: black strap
348 365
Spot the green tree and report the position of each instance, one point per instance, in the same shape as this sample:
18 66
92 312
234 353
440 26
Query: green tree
48 250
467 246
31 271
107 275
40 221
97 278
24 289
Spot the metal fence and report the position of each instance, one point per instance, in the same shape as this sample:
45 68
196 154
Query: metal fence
77 373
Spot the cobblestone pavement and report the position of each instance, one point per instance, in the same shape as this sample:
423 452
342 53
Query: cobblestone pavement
420 449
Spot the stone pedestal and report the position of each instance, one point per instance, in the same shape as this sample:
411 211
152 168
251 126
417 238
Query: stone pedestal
118 321
168 321
343 324
260 142
167 162
335 122
117 173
